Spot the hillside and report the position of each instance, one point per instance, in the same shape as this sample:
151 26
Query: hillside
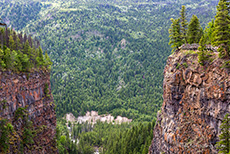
107 56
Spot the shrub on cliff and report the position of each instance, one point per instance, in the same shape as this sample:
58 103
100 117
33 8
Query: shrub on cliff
224 144
5 130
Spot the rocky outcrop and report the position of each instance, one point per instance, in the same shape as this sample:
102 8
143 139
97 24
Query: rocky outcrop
30 91
196 98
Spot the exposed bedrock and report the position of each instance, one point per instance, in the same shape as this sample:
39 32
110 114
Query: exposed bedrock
196 99
31 91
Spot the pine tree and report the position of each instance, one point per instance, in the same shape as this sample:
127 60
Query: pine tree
12 45
184 24
27 49
208 32
202 48
47 60
221 35
175 34
8 59
40 59
194 30
224 144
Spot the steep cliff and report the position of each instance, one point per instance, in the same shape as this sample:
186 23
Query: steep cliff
27 104
196 98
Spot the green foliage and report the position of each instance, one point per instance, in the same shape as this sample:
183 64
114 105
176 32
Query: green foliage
226 64
20 113
112 138
108 56
202 56
184 24
175 34
40 59
5 129
208 32
178 66
224 144
221 34
185 65
134 140
28 133
194 30
12 134
46 90
19 54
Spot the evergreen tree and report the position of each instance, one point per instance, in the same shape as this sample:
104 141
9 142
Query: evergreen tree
202 48
224 144
40 59
11 43
27 49
184 24
221 35
175 34
7 59
194 30
208 32
47 60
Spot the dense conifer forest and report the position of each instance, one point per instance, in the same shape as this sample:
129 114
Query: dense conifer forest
108 56
20 52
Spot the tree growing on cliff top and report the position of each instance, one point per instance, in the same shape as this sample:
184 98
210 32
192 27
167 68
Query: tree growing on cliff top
184 24
224 144
194 30
209 29
175 34
202 55
221 35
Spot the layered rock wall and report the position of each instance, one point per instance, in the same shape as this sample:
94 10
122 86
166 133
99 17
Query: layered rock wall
33 92
196 99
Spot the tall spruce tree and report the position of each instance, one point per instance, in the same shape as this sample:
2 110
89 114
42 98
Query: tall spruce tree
40 59
224 144
184 24
202 48
221 34
209 29
194 30
175 34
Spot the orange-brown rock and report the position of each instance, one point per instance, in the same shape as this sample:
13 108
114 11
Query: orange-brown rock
28 90
196 98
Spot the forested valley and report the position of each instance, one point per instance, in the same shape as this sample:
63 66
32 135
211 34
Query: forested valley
108 56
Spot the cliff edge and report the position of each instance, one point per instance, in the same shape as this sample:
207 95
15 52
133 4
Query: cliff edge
196 99
27 104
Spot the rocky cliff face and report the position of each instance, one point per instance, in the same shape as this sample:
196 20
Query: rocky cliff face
32 92
196 98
